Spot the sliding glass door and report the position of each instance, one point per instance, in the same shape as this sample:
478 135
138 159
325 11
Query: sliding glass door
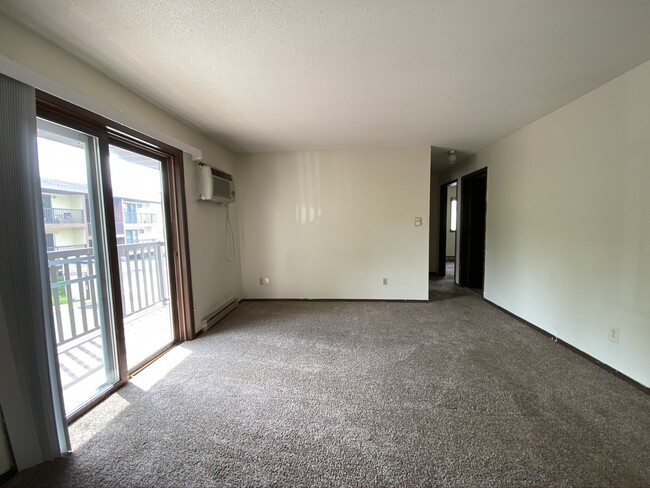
73 223
107 226
141 235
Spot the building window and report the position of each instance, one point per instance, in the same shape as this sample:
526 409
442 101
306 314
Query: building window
131 236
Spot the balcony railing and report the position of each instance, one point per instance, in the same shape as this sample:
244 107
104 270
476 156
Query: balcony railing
63 216
139 218
143 272
65 248
75 287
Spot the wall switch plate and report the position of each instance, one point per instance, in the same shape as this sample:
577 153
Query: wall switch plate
385 281
418 221
265 281
614 333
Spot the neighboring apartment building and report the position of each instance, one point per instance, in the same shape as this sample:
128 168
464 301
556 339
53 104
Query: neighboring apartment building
65 215
67 221
137 220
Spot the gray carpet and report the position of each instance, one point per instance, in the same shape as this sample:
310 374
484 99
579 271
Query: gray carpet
447 393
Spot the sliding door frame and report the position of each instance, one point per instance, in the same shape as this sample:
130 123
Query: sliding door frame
173 253
109 133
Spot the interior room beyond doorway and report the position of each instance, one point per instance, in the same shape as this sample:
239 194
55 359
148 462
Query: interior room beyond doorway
448 230
451 227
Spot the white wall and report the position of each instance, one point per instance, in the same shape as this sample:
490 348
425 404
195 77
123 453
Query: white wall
450 246
333 224
214 280
568 222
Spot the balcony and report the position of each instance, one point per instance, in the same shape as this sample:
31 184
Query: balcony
63 216
65 248
139 218
76 307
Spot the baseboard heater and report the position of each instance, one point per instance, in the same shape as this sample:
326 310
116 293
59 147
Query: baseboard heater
216 315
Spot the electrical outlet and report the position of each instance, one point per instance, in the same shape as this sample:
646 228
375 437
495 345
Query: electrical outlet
614 333
418 221
265 281
385 281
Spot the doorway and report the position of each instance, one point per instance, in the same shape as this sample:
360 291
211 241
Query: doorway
472 227
448 229
111 221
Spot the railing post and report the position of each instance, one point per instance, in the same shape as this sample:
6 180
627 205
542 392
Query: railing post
56 304
160 272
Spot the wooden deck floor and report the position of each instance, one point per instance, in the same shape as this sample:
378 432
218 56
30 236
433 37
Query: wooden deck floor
81 362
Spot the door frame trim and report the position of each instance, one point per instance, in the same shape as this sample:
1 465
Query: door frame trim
177 195
462 227
442 228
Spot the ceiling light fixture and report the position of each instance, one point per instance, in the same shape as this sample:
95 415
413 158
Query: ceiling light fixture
452 156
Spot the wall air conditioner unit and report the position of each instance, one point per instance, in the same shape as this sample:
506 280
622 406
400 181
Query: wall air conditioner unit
213 185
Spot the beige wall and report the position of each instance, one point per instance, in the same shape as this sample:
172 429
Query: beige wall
68 201
68 237
333 224
214 280
568 222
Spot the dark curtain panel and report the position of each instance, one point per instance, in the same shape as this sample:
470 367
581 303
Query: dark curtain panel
24 288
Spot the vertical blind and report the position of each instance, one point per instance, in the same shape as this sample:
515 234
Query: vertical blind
37 431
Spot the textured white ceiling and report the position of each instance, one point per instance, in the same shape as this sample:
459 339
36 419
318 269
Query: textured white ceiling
307 74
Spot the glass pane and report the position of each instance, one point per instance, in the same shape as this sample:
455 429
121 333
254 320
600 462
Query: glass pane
142 250
72 221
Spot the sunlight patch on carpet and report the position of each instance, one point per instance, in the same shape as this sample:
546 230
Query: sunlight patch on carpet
160 368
